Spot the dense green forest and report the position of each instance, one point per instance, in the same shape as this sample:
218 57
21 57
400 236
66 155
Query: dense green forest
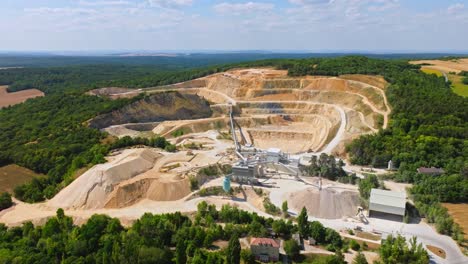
49 135
175 238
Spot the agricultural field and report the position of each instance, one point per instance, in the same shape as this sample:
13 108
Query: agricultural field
457 85
459 212
14 175
432 71
451 68
7 99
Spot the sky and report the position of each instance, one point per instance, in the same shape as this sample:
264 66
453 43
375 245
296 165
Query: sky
286 25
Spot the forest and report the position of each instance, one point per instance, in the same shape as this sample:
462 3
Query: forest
176 238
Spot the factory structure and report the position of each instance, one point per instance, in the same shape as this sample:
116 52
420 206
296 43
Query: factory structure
255 164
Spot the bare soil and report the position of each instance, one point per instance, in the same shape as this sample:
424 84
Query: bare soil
438 251
14 175
445 66
459 212
8 99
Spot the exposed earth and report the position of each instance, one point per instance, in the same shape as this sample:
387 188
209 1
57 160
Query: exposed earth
298 115
314 113
7 99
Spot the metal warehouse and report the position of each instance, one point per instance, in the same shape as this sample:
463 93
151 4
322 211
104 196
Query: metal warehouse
384 203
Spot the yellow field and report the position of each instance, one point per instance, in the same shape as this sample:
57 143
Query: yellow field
457 85
451 68
14 175
459 212
432 71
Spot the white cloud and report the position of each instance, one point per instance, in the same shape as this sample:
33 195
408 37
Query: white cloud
170 3
60 11
104 3
455 8
239 8
311 2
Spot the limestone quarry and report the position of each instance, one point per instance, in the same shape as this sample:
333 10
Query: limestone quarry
312 114
295 114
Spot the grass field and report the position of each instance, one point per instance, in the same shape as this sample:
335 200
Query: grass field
432 71
14 175
457 85
459 212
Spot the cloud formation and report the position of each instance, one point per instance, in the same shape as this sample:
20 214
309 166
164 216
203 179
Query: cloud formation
234 24
239 8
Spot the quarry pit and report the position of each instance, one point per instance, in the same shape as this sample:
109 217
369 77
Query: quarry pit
299 115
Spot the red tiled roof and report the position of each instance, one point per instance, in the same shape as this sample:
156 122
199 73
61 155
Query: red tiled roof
430 170
264 241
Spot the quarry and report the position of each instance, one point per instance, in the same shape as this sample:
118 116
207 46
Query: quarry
261 122
254 130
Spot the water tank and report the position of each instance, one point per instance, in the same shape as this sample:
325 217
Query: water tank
227 184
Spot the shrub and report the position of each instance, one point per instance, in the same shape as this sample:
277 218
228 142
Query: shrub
5 200
354 245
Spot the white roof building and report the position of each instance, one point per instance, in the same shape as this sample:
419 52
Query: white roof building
388 202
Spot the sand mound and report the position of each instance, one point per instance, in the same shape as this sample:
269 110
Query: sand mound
174 189
91 190
328 203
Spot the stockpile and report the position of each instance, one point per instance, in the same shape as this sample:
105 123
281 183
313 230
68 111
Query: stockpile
328 203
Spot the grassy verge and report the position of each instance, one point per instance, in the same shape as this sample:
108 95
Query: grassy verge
457 86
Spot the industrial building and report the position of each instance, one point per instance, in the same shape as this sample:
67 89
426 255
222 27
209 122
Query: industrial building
387 204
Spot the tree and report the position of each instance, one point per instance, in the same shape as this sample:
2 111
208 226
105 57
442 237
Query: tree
354 245
332 237
291 248
360 259
233 250
284 208
395 250
302 222
5 200
247 256
366 184
317 231
180 255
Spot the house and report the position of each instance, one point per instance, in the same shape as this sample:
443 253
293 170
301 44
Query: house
386 204
431 171
265 249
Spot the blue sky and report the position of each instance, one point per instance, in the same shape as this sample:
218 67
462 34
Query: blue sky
313 25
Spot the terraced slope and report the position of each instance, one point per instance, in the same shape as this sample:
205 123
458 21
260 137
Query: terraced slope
312 113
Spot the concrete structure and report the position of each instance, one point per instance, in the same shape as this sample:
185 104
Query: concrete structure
387 204
245 173
265 249
312 241
431 171
273 155
298 240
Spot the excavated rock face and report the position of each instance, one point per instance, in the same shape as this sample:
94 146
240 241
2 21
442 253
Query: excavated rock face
155 108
